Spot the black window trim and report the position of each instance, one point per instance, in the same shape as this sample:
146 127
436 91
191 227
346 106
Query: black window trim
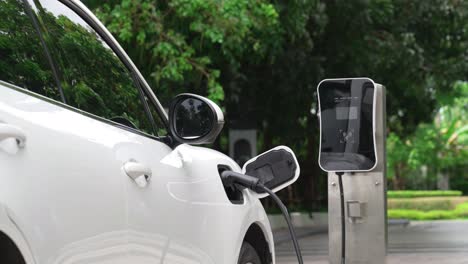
146 107
140 84
51 62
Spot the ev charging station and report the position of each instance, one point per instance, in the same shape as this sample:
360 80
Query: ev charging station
352 150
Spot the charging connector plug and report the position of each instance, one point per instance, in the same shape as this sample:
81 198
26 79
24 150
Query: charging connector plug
229 178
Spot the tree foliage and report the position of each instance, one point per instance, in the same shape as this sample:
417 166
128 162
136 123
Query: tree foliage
263 60
180 44
281 49
440 145
443 143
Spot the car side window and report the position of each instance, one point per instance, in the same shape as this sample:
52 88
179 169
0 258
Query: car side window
92 77
22 58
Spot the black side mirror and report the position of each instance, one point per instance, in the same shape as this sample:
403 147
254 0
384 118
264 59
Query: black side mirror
276 169
194 119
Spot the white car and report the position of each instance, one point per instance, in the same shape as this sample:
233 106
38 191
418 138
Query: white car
93 170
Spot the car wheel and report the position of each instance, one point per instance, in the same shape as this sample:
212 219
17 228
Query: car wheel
248 255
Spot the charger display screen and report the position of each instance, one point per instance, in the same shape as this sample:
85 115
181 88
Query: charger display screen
346 121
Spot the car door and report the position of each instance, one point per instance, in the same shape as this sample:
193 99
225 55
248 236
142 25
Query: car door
157 179
81 154
60 180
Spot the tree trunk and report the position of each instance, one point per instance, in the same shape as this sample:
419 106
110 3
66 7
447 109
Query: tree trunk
310 171
443 180
397 179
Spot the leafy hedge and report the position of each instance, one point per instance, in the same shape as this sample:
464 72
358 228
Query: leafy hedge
460 212
422 204
415 194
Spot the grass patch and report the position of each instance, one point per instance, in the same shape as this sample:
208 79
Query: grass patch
460 212
415 194
427 203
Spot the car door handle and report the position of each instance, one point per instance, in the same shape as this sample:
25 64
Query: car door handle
9 131
138 172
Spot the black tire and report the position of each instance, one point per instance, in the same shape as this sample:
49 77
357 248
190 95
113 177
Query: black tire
248 255
9 253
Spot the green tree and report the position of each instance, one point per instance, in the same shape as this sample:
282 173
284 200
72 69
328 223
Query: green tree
397 157
180 44
443 144
266 58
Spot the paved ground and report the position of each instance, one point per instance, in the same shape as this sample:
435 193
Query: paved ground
419 242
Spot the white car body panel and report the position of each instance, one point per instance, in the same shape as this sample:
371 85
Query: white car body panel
59 183
70 197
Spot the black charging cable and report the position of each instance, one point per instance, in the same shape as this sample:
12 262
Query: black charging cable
343 218
284 210
231 178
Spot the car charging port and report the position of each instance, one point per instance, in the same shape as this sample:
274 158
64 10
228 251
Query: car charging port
233 193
